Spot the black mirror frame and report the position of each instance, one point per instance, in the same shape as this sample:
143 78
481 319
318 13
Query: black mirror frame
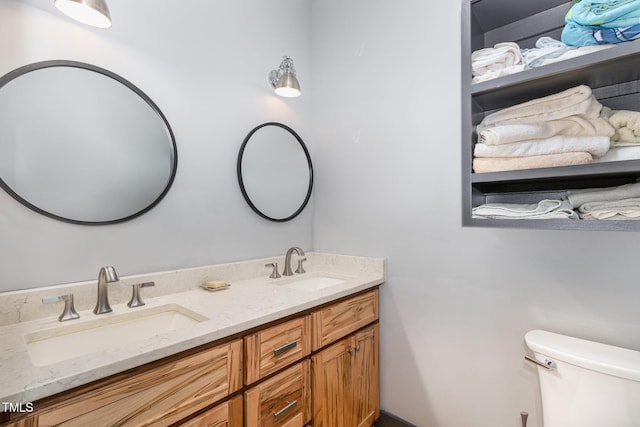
241 183
75 64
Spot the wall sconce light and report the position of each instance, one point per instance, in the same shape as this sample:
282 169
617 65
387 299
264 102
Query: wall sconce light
283 80
90 12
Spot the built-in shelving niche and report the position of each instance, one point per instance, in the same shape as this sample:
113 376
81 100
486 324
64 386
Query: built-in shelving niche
613 74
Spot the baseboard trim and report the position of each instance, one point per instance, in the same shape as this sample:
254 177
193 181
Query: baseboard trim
389 420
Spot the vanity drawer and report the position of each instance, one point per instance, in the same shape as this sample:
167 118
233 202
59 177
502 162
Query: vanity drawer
281 401
276 347
226 414
158 396
340 319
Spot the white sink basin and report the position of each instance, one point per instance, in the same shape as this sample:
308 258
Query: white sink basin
310 283
111 331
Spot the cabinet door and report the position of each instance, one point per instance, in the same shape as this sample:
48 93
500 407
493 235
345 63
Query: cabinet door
331 395
227 414
365 377
346 382
159 396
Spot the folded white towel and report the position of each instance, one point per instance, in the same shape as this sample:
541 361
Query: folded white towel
595 145
607 194
575 101
570 126
545 209
626 208
500 164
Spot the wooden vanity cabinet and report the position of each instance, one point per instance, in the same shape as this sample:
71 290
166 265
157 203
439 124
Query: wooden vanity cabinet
346 381
317 369
343 384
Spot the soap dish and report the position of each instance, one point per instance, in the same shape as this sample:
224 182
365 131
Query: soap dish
226 286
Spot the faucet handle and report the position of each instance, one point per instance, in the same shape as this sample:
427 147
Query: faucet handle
69 312
300 269
136 300
274 273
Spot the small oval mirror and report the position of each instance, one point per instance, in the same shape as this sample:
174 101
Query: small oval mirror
275 172
81 144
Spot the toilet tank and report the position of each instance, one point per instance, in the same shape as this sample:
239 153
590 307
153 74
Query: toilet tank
591 385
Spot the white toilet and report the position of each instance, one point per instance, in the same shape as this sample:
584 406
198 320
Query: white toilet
588 384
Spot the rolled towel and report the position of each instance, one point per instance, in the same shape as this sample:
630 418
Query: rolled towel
545 209
597 146
620 209
575 101
570 126
607 194
627 126
502 59
501 164
546 48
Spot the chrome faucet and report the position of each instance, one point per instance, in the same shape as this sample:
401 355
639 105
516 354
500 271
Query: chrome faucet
105 276
287 260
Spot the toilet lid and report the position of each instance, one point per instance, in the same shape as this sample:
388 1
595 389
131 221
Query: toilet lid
608 359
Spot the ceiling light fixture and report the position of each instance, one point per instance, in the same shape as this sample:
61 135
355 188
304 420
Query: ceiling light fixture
90 12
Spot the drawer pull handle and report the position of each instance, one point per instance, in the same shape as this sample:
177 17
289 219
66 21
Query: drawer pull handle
281 412
284 348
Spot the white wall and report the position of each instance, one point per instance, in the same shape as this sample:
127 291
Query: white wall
205 66
457 302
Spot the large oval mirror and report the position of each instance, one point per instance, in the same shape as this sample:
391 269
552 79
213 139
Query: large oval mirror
275 172
81 144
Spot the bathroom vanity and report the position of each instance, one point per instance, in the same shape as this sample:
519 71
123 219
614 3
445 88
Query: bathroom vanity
261 352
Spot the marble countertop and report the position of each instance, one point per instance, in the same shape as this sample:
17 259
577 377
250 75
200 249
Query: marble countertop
248 302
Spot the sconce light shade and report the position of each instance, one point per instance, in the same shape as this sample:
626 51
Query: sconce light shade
90 12
284 80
